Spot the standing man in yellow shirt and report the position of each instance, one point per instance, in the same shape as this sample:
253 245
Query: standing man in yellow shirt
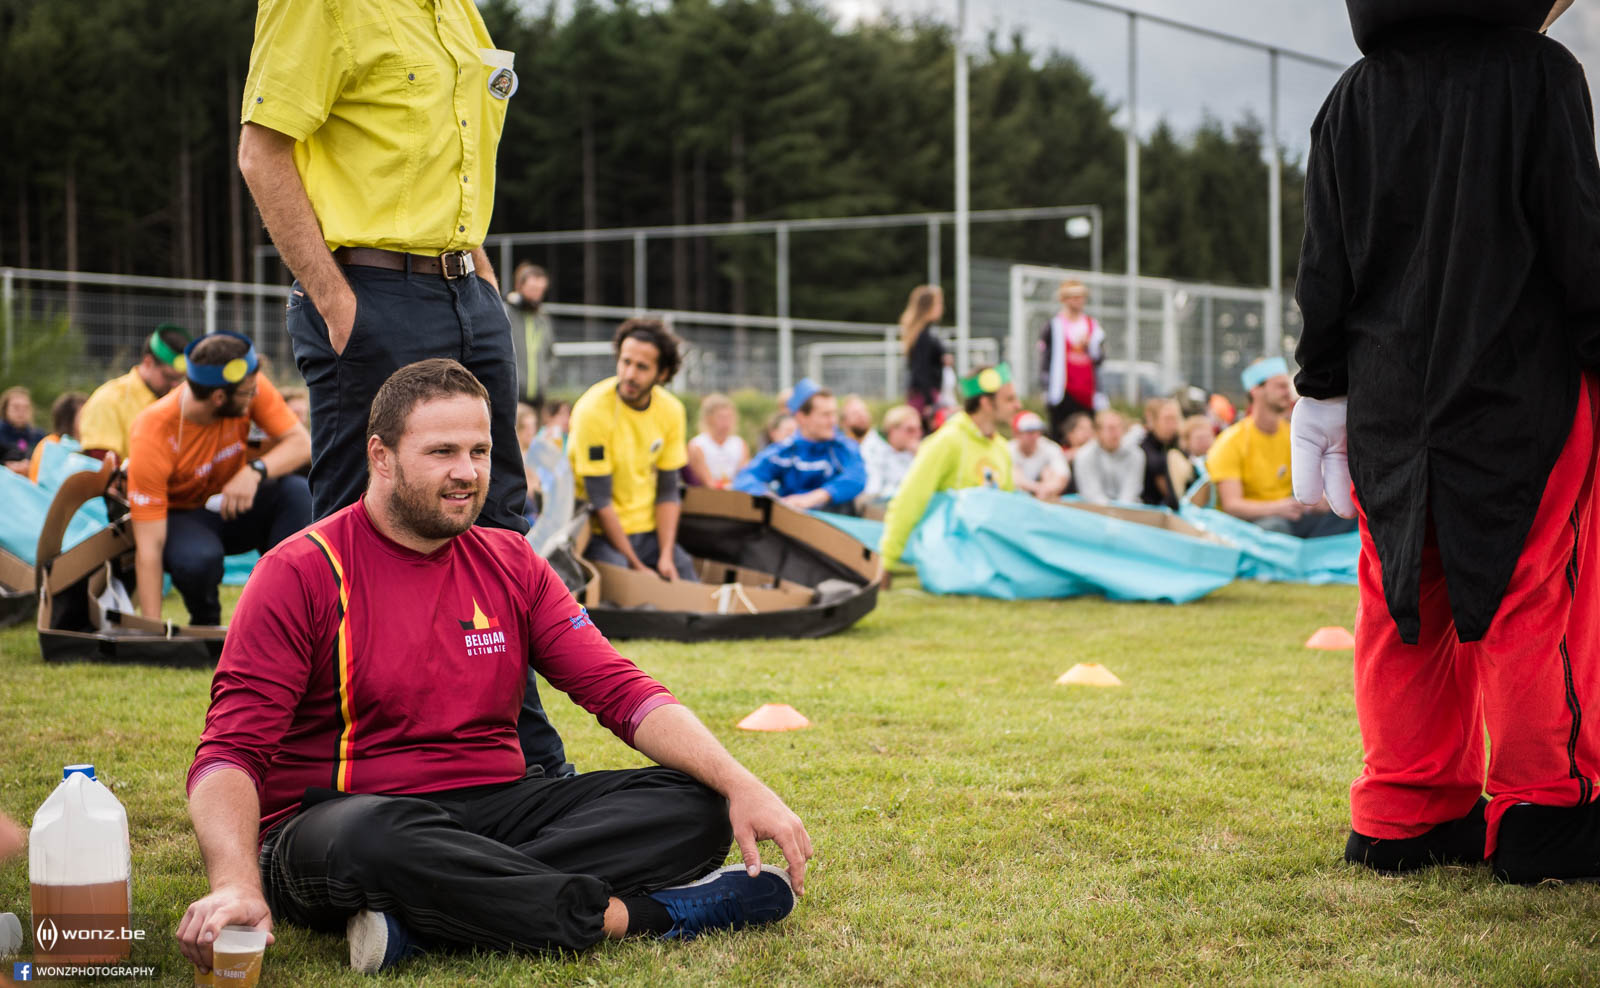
627 443
370 130
106 420
1249 463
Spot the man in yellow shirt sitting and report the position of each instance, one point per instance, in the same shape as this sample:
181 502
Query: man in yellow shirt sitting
627 443
1249 462
106 419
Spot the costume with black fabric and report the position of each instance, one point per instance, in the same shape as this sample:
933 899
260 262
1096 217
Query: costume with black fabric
1450 285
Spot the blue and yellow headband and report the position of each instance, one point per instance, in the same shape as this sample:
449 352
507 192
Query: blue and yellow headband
985 382
220 375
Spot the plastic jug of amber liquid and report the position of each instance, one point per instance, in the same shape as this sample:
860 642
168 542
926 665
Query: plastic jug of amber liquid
79 868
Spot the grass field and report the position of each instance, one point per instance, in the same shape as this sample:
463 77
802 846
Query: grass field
974 823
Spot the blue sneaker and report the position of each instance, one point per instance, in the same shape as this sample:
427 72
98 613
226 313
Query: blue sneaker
727 899
377 942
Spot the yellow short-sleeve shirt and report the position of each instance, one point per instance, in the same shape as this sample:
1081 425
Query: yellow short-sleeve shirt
1259 461
106 419
606 437
397 108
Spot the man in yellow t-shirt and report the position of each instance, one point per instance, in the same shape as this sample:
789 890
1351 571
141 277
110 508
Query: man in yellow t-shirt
369 138
627 443
1249 462
106 419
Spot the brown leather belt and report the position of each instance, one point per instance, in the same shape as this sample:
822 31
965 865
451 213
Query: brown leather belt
450 264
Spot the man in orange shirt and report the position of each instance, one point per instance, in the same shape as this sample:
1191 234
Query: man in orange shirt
195 494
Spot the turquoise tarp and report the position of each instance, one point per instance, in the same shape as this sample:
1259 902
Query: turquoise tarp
991 543
1272 557
995 544
23 506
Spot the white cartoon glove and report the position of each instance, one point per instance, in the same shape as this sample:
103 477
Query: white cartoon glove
1319 456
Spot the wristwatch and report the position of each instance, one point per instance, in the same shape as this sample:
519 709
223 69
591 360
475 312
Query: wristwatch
260 467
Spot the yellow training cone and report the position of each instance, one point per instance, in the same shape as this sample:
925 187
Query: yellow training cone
1333 638
1088 674
774 717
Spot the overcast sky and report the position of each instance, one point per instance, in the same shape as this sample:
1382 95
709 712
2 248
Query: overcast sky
1182 76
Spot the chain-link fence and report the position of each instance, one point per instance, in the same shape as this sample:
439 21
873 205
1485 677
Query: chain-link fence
1185 333
92 327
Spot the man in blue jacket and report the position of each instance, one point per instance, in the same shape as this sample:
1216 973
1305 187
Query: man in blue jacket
817 467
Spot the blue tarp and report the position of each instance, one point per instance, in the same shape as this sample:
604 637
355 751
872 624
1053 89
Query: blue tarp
1272 557
990 543
23 506
995 544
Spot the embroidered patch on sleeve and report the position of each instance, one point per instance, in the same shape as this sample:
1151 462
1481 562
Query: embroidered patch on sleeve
597 452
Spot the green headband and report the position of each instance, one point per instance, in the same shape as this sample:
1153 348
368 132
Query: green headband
158 346
985 382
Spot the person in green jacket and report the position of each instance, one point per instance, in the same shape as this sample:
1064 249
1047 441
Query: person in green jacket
967 451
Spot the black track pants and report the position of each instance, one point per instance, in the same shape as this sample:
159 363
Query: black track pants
524 866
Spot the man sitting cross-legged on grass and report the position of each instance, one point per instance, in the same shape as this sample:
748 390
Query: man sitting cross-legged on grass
364 720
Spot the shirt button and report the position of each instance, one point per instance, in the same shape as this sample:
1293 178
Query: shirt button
463 123
258 99
465 179
461 229
412 76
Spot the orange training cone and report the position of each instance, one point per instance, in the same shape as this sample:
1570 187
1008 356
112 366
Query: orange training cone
1333 638
774 717
1088 674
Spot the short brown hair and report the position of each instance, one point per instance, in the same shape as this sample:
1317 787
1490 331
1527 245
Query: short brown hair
64 413
410 386
524 269
669 349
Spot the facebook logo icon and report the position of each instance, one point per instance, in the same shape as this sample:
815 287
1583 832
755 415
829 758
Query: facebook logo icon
21 971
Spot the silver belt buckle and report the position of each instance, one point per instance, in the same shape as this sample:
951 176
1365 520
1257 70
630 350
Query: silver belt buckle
456 264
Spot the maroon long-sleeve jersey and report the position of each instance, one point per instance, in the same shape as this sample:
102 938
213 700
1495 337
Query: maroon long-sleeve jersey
355 664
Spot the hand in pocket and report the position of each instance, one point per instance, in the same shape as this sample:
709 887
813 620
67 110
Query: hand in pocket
339 313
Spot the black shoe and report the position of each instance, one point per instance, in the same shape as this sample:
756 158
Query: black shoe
1453 842
1548 842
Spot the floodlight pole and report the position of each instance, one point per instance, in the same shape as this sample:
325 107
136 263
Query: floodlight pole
963 204
1272 325
1131 378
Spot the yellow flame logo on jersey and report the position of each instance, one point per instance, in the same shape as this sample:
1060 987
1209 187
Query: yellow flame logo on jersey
480 621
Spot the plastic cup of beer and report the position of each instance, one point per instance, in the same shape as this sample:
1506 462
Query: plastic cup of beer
236 957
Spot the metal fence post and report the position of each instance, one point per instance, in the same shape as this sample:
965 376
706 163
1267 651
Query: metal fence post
503 276
211 307
1017 342
7 292
641 278
1208 347
1170 372
934 251
891 363
785 325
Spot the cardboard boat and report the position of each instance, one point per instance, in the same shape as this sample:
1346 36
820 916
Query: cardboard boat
74 624
17 583
766 571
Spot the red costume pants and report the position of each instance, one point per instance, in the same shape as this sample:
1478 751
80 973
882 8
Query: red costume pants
1533 682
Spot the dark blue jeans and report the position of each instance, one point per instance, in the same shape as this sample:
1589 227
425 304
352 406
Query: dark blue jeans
197 540
402 318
